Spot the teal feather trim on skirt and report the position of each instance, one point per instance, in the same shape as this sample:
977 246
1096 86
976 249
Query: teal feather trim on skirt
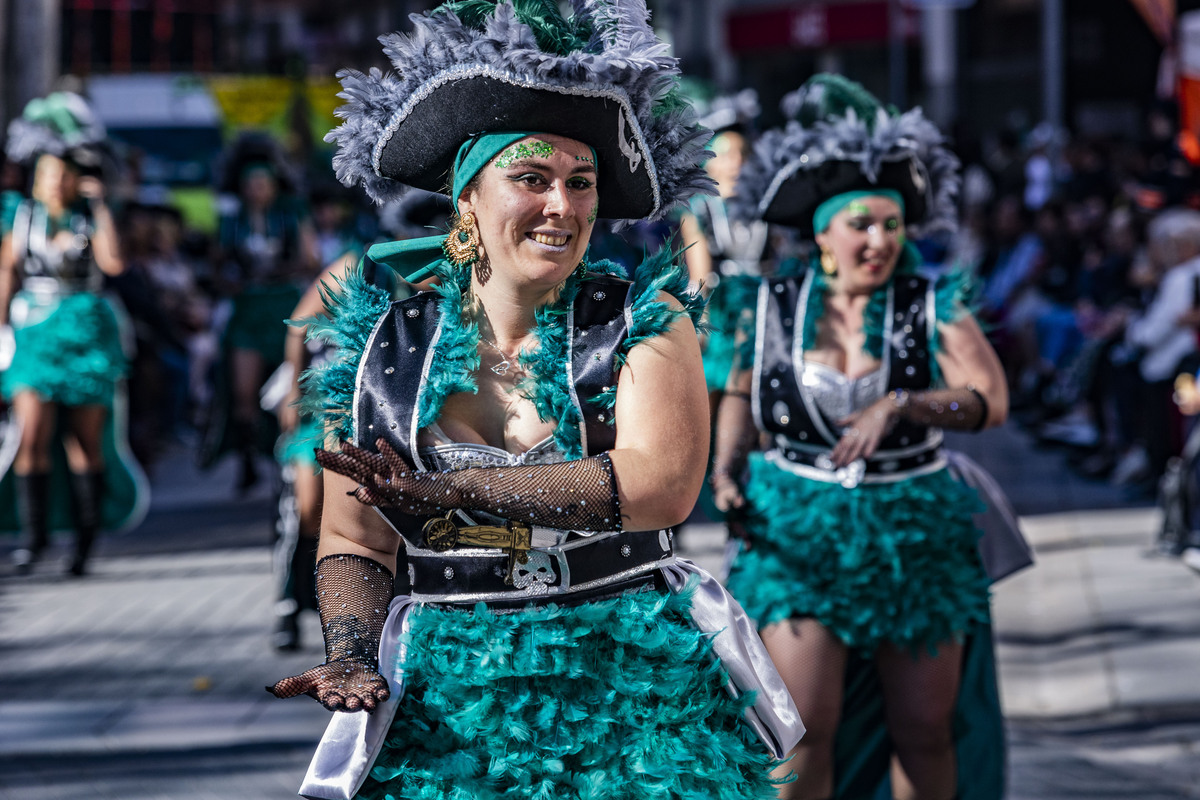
614 699
68 349
882 562
298 446
732 298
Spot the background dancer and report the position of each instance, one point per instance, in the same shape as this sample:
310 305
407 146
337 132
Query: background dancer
862 545
58 245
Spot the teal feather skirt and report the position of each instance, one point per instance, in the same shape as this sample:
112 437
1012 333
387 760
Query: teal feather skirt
882 562
68 349
615 698
298 446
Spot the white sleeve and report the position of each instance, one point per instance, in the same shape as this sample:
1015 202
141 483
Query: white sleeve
1173 298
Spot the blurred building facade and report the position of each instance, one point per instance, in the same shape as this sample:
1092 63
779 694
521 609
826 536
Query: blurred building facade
984 64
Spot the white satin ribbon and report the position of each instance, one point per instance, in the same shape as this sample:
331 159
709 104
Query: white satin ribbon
773 715
353 739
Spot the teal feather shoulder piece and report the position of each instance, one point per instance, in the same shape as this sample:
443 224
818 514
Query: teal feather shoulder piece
354 307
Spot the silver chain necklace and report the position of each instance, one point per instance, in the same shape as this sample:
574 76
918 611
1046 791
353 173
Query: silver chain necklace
505 364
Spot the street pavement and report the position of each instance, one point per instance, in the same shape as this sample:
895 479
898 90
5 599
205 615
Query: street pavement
145 679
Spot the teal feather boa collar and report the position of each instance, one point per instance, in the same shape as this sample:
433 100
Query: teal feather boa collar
355 307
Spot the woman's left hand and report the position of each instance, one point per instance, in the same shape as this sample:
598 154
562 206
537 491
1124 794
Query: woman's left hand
863 431
91 188
386 480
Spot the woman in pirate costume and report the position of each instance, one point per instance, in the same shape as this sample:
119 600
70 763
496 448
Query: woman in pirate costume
863 569
63 379
724 253
528 432
266 257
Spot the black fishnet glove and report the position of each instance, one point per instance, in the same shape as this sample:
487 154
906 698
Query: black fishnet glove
573 495
353 593
736 436
960 409
863 431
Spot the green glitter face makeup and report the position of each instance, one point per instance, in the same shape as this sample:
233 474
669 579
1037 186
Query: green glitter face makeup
856 209
527 149
592 214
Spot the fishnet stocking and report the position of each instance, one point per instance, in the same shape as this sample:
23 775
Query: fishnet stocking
812 662
353 593
572 495
920 692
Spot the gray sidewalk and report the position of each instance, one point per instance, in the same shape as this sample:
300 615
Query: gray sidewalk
145 679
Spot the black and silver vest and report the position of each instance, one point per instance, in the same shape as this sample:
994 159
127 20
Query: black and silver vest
784 407
46 269
398 356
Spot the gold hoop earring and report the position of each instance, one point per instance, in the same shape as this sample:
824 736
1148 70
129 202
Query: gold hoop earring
828 262
462 242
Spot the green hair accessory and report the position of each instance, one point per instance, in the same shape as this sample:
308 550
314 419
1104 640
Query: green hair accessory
829 209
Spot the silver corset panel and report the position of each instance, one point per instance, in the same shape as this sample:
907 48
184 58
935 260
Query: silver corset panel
466 455
837 395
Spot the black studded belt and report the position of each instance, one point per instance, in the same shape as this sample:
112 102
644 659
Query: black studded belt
884 466
580 568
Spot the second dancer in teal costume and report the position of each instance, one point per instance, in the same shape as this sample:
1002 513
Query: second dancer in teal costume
66 372
862 547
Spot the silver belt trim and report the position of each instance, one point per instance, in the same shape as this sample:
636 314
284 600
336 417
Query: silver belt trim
850 476
934 439
43 288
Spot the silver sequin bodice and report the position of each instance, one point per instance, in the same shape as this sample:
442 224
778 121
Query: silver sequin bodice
837 395
464 455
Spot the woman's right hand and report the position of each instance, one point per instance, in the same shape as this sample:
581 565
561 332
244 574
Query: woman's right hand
727 495
338 685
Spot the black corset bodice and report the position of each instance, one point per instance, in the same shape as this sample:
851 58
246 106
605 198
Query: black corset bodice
397 362
785 407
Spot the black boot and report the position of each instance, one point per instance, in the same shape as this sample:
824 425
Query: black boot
33 502
246 433
87 492
300 594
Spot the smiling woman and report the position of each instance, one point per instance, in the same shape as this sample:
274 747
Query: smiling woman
534 208
862 567
520 441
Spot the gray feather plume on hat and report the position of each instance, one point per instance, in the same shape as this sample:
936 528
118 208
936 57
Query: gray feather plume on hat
607 49
872 141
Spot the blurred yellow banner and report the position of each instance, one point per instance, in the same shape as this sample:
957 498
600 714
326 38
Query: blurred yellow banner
276 104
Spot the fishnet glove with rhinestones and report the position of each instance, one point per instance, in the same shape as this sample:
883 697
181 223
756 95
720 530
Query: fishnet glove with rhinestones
353 593
961 409
573 495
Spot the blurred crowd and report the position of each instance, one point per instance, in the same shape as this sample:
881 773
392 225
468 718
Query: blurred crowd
1085 251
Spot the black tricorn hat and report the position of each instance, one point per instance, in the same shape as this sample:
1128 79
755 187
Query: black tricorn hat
420 148
467 68
840 140
794 201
